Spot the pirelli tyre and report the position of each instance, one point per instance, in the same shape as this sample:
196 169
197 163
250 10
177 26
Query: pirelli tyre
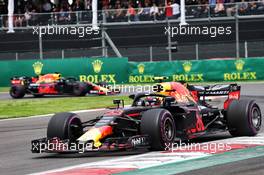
159 125
17 91
80 89
65 126
243 118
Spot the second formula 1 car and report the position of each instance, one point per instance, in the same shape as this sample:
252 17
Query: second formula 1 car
156 120
54 84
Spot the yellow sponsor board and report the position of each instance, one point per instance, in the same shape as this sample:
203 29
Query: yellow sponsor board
187 67
97 66
141 68
141 79
37 66
110 78
240 74
188 77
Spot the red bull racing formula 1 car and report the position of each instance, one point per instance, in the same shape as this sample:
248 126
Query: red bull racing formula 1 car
174 112
54 84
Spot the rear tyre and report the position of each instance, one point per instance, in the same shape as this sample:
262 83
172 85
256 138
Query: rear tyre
243 118
80 89
17 91
65 126
159 125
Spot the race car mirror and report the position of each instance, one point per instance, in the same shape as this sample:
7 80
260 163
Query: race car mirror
168 101
118 102
160 79
132 96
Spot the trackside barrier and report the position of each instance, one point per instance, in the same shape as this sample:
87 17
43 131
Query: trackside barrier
198 71
119 70
112 70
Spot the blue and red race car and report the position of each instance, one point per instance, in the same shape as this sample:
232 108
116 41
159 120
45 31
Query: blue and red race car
54 84
175 112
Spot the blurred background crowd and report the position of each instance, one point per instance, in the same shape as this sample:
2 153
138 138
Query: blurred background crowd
125 10
42 6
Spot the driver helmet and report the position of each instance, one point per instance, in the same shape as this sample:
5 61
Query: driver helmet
152 101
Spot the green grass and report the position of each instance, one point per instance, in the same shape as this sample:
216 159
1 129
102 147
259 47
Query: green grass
4 89
28 107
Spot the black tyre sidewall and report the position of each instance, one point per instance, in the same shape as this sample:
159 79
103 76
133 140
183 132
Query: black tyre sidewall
59 126
19 89
239 118
152 124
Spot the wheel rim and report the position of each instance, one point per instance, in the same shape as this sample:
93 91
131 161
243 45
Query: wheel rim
168 128
13 91
74 131
256 117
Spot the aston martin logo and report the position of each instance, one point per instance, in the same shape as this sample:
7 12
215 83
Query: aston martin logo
187 66
141 68
97 66
37 67
239 65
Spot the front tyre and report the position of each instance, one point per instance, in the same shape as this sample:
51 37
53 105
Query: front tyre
17 91
159 125
65 126
243 118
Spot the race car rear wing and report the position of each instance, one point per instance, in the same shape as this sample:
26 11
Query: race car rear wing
215 90
24 80
231 91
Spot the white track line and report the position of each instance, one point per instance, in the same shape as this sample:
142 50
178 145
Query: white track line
87 164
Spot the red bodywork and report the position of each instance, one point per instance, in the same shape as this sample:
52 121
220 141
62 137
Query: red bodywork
183 95
232 96
53 83
47 88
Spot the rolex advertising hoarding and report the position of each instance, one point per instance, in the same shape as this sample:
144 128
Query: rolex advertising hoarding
111 70
119 70
198 71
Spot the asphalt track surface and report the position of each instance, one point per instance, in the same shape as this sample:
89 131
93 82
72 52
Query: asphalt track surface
16 158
